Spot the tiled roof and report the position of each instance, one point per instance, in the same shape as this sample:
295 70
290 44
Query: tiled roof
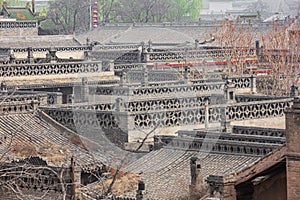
38 41
166 172
101 34
31 135
113 154
33 160
20 13
157 33
129 34
259 166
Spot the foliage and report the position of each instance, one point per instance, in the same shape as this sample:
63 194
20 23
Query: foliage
139 11
43 12
188 9
159 11
13 2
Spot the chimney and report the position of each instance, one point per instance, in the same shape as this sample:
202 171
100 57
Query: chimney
140 190
186 73
3 88
194 170
73 186
123 80
292 127
75 176
145 77
197 182
257 48
85 90
196 44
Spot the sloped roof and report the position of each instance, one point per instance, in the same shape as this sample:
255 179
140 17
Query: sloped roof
32 135
102 34
284 6
276 17
131 34
166 172
156 35
163 34
20 13
38 41
259 166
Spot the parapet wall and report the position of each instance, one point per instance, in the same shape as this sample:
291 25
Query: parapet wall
18 28
166 116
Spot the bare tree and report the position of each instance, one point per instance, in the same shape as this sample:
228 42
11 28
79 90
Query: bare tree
108 10
17 176
281 56
71 15
136 10
159 11
235 42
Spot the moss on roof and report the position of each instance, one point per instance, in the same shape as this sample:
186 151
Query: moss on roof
20 13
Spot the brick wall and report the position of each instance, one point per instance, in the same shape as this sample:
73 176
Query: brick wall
273 185
293 175
293 151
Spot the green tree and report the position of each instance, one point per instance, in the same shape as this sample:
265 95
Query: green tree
185 10
159 10
14 3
